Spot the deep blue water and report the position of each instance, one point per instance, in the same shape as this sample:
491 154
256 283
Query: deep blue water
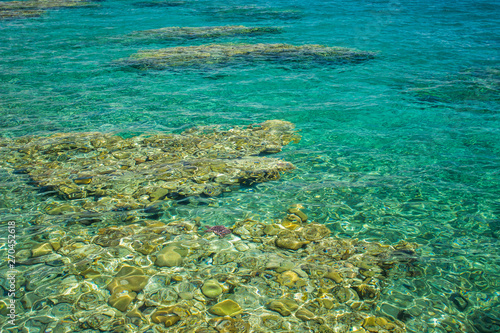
402 147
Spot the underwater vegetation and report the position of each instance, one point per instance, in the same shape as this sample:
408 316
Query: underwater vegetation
33 8
202 32
212 54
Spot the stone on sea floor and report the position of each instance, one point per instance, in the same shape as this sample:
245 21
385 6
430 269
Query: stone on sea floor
296 211
121 300
212 54
290 279
124 287
378 324
226 308
284 306
169 256
304 315
289 240
41 249
211 289
314 232
334 275
166 316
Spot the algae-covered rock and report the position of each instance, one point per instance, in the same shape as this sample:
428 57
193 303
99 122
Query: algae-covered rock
314 232
124 287
43 4
6 14
33 8
211 289
380 324
203 161
290 279
121 300
202 32
169 256
305 315
41 249
166 316
289 240
334 275
284 306
226 308
212 54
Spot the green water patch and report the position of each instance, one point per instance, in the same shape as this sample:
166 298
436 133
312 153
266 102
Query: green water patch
158 4
226 54
251 13
469 90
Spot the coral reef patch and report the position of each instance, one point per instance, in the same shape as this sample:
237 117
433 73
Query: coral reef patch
221 54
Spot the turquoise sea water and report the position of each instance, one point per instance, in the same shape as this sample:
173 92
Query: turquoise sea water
402 147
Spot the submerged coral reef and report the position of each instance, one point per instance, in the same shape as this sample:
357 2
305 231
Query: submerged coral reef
202 32
211 54
31 8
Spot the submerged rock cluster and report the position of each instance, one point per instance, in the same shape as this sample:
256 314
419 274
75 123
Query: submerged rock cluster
202 32
108 172
160 275
33 8
211 54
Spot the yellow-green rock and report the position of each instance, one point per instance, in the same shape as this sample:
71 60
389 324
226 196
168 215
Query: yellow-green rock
61 209
169 256
299 213
211 289
124 286
288 278
165 316
83 180
334 275
314 232
3 308
272 230
284 306
41 250
226 308
289 240
305 315
121 300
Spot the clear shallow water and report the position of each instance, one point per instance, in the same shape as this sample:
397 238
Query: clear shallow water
402 147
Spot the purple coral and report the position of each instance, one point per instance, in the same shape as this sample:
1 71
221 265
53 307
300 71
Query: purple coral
219 230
